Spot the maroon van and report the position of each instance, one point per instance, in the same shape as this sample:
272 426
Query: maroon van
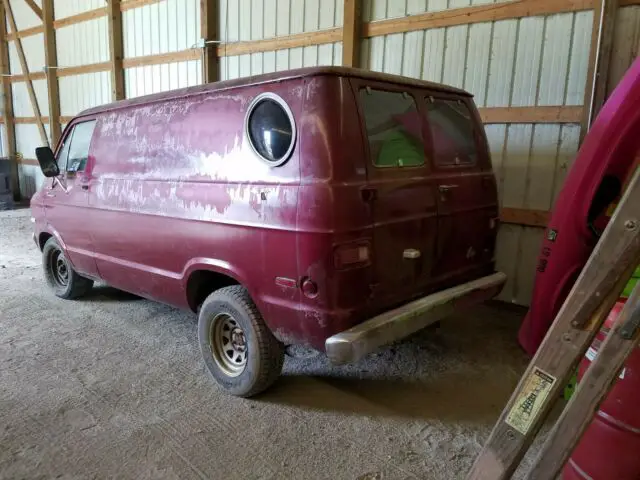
332 207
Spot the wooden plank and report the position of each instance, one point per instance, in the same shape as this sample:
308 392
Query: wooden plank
474 14
80 69
523 216
351 33
36 9
7 106
550 114
51 61
604 19
116 49
30 76
25 70
80 17
171 57
27 32
591 391
29 161
280 43
594 293
209 32
129 4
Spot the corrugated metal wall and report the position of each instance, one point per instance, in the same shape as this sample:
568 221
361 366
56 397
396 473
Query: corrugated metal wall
533 61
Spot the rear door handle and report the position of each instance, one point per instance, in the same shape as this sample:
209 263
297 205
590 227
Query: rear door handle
369 194
84 183
84 187
446 188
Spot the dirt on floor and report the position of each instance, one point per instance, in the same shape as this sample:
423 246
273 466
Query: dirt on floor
113 386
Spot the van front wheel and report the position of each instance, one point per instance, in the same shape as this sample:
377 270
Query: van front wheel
60 275
239 350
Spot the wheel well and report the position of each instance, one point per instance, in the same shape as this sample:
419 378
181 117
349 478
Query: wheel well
202 283
42 239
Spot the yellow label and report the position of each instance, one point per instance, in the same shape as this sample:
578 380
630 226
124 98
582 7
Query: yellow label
530 401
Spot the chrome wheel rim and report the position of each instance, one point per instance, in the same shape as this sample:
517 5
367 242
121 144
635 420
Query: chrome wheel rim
59 268
228 344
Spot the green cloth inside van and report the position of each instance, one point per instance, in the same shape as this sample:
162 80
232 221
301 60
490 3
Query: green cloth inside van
400 150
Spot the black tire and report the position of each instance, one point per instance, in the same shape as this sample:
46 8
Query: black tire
263 354
60 275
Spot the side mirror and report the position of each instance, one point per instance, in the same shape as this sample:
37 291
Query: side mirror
47 162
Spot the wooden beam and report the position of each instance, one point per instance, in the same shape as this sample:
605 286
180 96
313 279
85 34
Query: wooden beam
80 69
129 4
522 216
25 71
321 37
29 76
171 57
209 32
116 49
36 9
27 32
51 61
548 114
474 14
9 146
351 33
80 17
604 19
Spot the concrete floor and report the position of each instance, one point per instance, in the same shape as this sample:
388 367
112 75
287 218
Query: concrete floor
114 386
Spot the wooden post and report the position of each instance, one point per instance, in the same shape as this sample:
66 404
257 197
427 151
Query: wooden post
7 106
116 49
209 32
25 72
351 33
51 60
604 19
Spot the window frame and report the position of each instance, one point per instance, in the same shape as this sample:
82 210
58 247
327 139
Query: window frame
474 129
402 91
294 129
73 134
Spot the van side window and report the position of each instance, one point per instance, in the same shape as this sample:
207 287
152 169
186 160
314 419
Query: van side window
394 128
63 155
79 148
452 135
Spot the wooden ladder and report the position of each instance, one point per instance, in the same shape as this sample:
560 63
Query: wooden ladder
595 292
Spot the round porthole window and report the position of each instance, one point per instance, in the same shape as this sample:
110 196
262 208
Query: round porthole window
271 129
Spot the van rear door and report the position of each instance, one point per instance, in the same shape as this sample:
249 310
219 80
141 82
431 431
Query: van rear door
400 189
467 197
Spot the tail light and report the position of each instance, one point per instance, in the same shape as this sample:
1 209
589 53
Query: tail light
352 255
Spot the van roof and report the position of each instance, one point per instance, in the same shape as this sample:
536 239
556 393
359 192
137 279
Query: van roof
273 77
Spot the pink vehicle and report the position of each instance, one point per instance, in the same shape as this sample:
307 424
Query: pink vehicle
314 206
604 161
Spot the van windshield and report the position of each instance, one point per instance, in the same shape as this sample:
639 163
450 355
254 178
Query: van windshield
394 129
451 127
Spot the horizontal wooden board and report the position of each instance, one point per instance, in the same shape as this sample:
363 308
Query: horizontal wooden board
549 114
80 17
522 216
280 43
80 69
171 57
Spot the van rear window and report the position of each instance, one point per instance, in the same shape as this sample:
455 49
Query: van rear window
451 126
394 129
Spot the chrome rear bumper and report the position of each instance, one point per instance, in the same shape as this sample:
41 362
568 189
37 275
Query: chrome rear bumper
355 343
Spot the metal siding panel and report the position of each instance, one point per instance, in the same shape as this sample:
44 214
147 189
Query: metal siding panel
416 6
233 21
337 53
325 54
376 53
269 62
506 252
79 92
434 45
396 8
311 15
515 166
528 50
245 65
555 59
501 61
529 247
393 53
283 12
541 168
34 52
567 149
256 63
24 16
282 60
270 18
413 54
310 56
579 62
379 9
477 67
21 103
295 57
257 19
455 55
40 87
496 140
327 14
296 17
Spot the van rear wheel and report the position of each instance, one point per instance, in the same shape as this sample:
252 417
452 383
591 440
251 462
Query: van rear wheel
60 275
239 350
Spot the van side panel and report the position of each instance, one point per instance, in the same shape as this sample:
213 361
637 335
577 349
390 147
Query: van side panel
177 188
332 213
